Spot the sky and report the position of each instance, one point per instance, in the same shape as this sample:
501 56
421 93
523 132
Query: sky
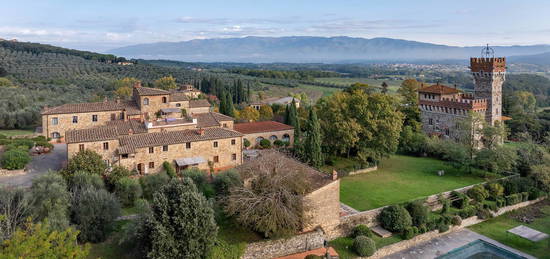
99 25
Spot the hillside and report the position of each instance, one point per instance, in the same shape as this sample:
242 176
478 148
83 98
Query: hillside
43 75
312 49
537 59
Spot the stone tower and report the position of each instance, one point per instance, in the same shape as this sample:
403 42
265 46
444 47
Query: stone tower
489 75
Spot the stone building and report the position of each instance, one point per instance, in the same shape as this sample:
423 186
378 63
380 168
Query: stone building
154 127
442 106
147 104
255 132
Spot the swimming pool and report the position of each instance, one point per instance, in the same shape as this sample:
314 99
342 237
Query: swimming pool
480 249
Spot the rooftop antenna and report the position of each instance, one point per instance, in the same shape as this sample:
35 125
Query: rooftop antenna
487 52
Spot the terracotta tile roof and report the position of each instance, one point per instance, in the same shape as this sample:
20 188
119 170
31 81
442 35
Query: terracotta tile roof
199 103
150 91
129 143
92 134
261 126
92 107
211 119
438 89
178 97
123 127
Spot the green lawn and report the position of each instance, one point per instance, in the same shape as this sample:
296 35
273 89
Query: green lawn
17 132
111 248
400 179
496 228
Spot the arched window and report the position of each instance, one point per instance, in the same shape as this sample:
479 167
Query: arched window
259 139
56 135
286 137
145 101
164 99
273 138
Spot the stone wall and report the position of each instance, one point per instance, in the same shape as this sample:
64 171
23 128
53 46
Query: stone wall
364 170
323 207
281 247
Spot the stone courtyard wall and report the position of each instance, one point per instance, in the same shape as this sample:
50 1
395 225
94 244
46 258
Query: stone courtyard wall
281 247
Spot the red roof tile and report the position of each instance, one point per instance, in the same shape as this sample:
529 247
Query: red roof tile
438 89
261 126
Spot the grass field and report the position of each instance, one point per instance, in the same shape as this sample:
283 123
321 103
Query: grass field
313 92
393 85
17 132
400 179
496 228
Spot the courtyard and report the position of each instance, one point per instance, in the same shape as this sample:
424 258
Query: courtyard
400 179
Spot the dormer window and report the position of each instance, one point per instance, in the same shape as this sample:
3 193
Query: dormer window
145 101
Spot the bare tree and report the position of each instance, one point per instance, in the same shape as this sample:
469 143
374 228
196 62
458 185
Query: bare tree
271 201
15 207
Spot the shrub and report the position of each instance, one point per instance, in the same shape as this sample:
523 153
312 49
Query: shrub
456 220
364 246
495 190
484 214
264 143
501 202
395 218
226 180
94 212
23 142
83 180
278 143
361 230
490 205
246 143
446 205
446 219
467 212
524 196
419 212
152 183
513 199
410 232
128 191
535 193
14 159
422 229
117 173
169 169
462 200
478 193
45 144
85 161
442 228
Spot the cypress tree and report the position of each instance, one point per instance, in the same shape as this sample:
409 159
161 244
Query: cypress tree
229 107
223 104
287 114
312 143
294 121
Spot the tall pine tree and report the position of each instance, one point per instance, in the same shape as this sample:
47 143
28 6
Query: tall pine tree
312 143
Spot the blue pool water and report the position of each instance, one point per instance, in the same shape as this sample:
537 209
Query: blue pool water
480 249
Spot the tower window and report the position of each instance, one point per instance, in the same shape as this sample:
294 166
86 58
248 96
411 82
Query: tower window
94 118
106 145
75 119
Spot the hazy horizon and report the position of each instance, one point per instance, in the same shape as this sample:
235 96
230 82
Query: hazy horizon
103 25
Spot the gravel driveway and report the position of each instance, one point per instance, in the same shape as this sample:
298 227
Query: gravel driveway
39 164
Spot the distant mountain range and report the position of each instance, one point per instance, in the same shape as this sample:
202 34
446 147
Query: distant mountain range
315 49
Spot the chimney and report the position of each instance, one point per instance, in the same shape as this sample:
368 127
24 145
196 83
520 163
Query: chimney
137 84
200 131
334 175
